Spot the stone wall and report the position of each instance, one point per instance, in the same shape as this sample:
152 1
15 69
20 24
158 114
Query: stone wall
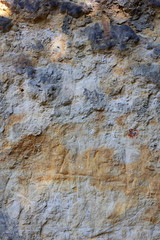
79 120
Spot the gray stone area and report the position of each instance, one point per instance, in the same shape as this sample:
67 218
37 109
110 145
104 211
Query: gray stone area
79 120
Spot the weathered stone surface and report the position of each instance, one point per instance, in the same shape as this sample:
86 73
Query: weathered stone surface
118 36
73 9
34 10
38 10
156 52
155 3
123 34
33 6
151 71
66 24
5 24
79 120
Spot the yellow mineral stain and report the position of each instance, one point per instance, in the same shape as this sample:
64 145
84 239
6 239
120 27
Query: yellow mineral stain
4 10
44 159
14 118
58 46
153 121
121 120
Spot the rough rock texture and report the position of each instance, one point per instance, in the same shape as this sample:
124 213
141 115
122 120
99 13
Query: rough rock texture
79 120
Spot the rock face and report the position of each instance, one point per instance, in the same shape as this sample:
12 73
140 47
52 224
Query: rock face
79 120
5 24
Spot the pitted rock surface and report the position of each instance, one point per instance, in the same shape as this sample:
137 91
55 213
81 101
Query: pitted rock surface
79 120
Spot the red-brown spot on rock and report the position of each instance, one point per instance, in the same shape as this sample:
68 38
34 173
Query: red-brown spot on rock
132 133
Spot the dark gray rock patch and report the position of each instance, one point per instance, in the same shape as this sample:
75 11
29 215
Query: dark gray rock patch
38 10
155 3
120 36
72 9
150 72
5 24
156 52
94 100
46 84
66 24
123 34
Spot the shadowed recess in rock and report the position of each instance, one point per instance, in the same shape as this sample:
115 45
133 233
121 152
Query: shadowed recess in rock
5 24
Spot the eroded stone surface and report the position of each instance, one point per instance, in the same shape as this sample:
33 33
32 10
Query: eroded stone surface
79 120
5 24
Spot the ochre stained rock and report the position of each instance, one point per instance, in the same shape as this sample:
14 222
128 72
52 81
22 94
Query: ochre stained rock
79 120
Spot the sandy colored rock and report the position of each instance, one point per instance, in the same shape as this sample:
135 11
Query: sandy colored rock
79 120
